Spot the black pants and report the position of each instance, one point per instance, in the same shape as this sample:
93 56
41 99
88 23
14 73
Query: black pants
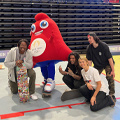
72 83
102 100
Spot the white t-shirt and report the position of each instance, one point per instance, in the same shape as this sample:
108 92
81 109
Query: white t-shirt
92 75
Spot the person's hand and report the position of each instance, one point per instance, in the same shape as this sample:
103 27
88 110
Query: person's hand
60 69
90 87
19 63
93 100
112 74
70 72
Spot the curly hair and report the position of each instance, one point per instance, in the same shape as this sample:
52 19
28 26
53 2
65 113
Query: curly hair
23 40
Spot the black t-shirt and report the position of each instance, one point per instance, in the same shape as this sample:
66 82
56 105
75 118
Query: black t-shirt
100 55
73 68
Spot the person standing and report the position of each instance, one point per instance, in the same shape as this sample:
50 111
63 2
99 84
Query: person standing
98 52
15 57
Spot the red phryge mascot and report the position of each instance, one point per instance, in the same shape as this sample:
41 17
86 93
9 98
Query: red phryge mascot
48 48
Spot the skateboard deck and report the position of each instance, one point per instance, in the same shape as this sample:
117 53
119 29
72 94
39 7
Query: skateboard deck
23 85
44 93
68 95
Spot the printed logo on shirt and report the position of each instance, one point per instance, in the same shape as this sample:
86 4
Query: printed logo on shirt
100 53
88 81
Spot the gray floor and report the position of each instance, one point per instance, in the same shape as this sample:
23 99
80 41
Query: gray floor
51 108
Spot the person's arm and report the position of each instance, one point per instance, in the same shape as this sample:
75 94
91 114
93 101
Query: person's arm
19 63
110 60
62 72
28 60
112 67
8 60
70 72
93 98
77 77
88 55
97 79
90 87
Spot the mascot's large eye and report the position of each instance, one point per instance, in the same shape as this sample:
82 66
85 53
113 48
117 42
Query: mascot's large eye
33 27
43 24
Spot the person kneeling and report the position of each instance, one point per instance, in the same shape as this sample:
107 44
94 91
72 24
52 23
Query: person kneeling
94 90
72 74
15 57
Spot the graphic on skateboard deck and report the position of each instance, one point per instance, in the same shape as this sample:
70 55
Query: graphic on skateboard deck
45 93
23 85
71 94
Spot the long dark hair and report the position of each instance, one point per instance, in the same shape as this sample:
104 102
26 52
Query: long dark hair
95 37
78 68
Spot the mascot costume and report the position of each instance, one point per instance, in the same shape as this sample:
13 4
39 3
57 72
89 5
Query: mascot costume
48 48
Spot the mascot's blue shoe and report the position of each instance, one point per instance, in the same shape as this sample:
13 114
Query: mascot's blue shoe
50 85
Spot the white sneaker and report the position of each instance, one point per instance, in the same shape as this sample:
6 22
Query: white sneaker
50 85
34 97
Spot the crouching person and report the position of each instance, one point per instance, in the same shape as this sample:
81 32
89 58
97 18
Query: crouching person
94 90
15 57
72 74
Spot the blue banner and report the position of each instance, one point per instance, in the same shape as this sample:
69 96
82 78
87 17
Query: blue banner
115 49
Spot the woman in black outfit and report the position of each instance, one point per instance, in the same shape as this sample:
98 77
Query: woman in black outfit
72 74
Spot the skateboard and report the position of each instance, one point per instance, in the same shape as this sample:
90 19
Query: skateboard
44 93
23 85
71 94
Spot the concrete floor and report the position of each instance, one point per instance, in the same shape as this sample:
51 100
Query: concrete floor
51 108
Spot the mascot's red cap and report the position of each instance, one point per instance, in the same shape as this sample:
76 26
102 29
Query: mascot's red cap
40 16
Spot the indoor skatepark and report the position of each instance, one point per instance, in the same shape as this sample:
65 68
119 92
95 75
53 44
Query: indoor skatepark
72 19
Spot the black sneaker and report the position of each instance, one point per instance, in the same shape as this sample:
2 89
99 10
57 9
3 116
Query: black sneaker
113 101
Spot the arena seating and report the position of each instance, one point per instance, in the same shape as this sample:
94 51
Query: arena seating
75 19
